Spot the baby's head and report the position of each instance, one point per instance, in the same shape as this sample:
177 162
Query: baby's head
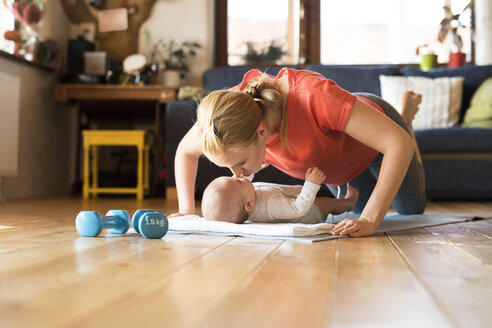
228 199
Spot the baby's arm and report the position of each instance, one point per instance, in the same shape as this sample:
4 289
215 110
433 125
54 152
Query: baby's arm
328 205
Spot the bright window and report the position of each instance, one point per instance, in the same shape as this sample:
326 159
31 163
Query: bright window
384 31
262 31
351 31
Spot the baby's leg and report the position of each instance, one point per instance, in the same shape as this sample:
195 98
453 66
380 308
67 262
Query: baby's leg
328 205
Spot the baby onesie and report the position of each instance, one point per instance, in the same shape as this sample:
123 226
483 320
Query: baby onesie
286 204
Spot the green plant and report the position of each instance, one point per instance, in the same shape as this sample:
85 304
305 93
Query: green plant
172 54
153 49
175 54
272 53
451 23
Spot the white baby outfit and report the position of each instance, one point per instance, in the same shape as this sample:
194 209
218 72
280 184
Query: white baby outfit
286 204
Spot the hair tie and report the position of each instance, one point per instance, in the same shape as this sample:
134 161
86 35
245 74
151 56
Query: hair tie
253 91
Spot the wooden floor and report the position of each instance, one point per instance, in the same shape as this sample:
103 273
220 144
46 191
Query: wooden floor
51 277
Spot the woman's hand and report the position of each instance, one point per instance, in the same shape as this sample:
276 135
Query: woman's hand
354 228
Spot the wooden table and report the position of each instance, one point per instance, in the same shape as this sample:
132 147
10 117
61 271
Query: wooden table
79 93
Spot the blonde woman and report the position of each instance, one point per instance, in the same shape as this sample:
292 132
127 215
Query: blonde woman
299 119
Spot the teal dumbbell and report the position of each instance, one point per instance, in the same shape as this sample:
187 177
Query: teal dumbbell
150 224
91 223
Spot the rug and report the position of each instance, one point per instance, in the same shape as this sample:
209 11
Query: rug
307 233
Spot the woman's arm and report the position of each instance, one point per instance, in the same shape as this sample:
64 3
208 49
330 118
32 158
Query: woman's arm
371 127
185 168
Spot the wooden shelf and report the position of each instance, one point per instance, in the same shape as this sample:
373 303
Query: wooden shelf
24 61
67 92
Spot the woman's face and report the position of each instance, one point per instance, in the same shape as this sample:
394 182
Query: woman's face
242 163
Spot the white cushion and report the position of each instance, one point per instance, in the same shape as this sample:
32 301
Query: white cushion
441 98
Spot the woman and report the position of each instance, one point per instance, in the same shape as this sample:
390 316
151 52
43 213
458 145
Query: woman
299 119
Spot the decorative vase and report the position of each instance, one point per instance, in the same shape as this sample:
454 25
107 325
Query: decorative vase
457 59
428 61
171 78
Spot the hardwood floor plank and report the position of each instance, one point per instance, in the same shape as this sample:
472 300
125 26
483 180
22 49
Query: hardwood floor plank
189 295
49 276
375 287
477 208
70 290
471 243
294 288
459 282
49 245
481 226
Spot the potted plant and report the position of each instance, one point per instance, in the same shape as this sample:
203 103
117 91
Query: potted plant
171 58
272 53
451 24
174 56
26 36
428 58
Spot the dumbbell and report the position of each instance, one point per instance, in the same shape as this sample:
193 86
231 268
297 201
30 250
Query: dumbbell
91 223
150 224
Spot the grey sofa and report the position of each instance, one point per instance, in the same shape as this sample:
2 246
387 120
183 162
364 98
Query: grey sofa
457 161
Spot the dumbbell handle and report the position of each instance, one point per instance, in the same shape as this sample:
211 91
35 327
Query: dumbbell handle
109 222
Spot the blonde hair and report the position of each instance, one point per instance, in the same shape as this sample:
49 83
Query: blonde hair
228 120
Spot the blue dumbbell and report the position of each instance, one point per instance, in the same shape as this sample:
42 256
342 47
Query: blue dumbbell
91 223
150 224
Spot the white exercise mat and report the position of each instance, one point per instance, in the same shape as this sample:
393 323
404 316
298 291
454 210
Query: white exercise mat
307 233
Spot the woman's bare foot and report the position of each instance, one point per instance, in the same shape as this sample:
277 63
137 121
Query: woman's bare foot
409 106
352 195
410 102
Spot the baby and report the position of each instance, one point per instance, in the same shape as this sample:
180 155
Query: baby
236 200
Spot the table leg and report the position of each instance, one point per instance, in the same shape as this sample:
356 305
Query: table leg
95 173
85 189
156 187
77 183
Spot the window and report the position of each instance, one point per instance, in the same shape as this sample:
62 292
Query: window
334 32
269 35
384 31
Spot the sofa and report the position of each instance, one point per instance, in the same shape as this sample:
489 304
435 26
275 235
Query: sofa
457 160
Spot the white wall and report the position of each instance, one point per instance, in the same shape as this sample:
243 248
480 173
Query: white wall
483 32
184 20
44 127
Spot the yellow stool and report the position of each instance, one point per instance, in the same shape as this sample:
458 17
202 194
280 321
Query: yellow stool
94 138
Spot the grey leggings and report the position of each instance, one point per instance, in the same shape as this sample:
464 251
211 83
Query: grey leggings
411 198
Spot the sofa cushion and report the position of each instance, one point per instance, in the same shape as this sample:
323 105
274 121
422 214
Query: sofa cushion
453 140
480 112
441 98
474 76
356 78
220 78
